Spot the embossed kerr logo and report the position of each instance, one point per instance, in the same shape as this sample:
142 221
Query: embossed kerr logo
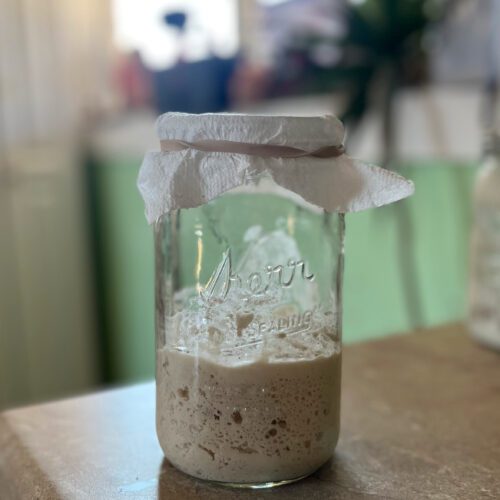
257 283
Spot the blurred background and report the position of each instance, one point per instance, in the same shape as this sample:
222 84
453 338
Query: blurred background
81 83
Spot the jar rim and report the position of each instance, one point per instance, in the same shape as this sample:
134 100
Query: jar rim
307 132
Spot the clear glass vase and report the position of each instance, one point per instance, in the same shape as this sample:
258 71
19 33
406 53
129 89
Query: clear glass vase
248 325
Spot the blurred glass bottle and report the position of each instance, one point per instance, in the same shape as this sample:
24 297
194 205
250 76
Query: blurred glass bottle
484 300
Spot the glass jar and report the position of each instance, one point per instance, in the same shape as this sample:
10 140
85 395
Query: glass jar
484 301
248 326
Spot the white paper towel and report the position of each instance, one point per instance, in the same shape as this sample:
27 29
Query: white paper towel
190 178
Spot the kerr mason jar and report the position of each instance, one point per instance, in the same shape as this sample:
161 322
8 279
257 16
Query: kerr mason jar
248 304
249 230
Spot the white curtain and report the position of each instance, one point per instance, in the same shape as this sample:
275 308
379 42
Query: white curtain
55 62
55 67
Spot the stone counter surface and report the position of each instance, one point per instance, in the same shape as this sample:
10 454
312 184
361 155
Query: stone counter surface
420 420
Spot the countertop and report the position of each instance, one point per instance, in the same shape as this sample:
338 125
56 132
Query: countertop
420 419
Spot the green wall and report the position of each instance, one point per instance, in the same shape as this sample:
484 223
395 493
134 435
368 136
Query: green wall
374 293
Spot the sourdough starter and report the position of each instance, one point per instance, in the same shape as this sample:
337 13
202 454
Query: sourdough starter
250 419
